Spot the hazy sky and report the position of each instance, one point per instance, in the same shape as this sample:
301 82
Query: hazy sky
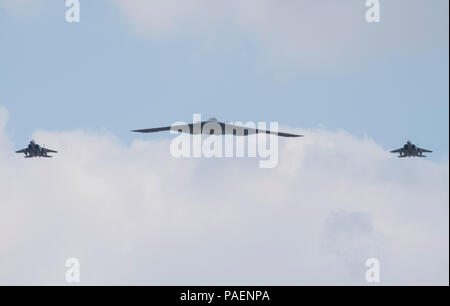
116 199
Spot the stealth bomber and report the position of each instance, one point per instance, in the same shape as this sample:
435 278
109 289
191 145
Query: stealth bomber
213 127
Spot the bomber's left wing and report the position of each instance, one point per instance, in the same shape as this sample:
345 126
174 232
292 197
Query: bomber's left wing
243 131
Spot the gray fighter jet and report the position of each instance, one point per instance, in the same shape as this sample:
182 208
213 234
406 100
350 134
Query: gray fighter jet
35 150
411 150
214 127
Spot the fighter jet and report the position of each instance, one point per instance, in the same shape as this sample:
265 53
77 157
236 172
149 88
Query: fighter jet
411 150
212 127
35 150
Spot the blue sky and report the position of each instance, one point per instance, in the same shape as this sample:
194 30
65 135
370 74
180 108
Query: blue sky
99 74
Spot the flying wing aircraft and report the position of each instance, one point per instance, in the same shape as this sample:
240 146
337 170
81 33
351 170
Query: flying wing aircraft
214 127
411 150
35 150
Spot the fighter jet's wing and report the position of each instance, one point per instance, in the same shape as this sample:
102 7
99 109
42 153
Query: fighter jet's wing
243 131
397 151
423 150
22 151
49 151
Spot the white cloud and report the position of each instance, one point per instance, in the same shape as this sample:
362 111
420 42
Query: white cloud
309 34
135 215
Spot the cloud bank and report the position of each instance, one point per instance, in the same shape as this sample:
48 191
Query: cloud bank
135 215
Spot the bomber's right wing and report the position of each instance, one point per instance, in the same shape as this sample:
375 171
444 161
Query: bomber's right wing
154 130
185 127
21 151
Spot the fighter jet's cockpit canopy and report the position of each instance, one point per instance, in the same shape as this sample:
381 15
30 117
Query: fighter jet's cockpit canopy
212 119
